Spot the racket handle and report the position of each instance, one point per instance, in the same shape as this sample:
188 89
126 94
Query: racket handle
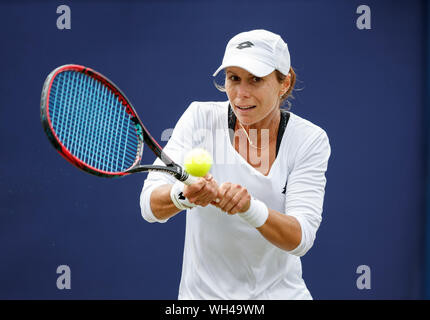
190 180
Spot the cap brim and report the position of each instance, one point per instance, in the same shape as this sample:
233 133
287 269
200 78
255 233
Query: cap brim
255 67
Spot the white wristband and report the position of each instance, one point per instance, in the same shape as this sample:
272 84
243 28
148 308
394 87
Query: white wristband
178 198
257 213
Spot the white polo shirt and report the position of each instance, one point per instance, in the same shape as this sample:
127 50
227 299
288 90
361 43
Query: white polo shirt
224 257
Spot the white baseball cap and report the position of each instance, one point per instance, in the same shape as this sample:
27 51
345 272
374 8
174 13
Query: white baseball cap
259 52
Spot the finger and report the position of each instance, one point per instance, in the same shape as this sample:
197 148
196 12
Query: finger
225 202
238 195
220 194
197 197
203 198
213 188
203 202
205 195
190 190
222 189
217 199
208 195
243 203
210 192
224 196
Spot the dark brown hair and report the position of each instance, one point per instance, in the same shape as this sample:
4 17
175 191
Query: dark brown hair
281 78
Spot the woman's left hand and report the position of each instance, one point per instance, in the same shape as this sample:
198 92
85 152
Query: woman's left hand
233 198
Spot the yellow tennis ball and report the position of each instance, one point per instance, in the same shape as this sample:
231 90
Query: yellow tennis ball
198 162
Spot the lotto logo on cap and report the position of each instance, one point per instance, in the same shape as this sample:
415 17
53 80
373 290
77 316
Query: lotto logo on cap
260 52
246 44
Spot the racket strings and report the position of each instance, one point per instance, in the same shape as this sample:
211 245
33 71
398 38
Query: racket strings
91 122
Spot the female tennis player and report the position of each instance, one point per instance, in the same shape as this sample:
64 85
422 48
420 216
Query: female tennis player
257 212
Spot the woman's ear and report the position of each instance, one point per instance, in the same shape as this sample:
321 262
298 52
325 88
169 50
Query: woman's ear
286 84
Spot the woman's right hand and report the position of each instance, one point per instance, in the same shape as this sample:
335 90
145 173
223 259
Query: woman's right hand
202 192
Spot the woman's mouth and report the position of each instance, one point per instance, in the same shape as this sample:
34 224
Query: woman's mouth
245 107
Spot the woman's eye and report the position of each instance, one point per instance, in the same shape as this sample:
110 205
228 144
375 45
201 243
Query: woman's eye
256 79
234 78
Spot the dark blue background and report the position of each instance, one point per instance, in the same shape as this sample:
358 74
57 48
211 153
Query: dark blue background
364 87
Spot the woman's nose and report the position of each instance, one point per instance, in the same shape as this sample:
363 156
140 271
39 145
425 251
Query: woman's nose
243 90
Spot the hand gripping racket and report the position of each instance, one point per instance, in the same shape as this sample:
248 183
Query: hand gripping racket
93 125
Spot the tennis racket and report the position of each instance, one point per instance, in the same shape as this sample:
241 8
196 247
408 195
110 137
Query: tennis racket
93 125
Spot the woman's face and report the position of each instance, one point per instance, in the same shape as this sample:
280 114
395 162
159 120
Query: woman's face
252 98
